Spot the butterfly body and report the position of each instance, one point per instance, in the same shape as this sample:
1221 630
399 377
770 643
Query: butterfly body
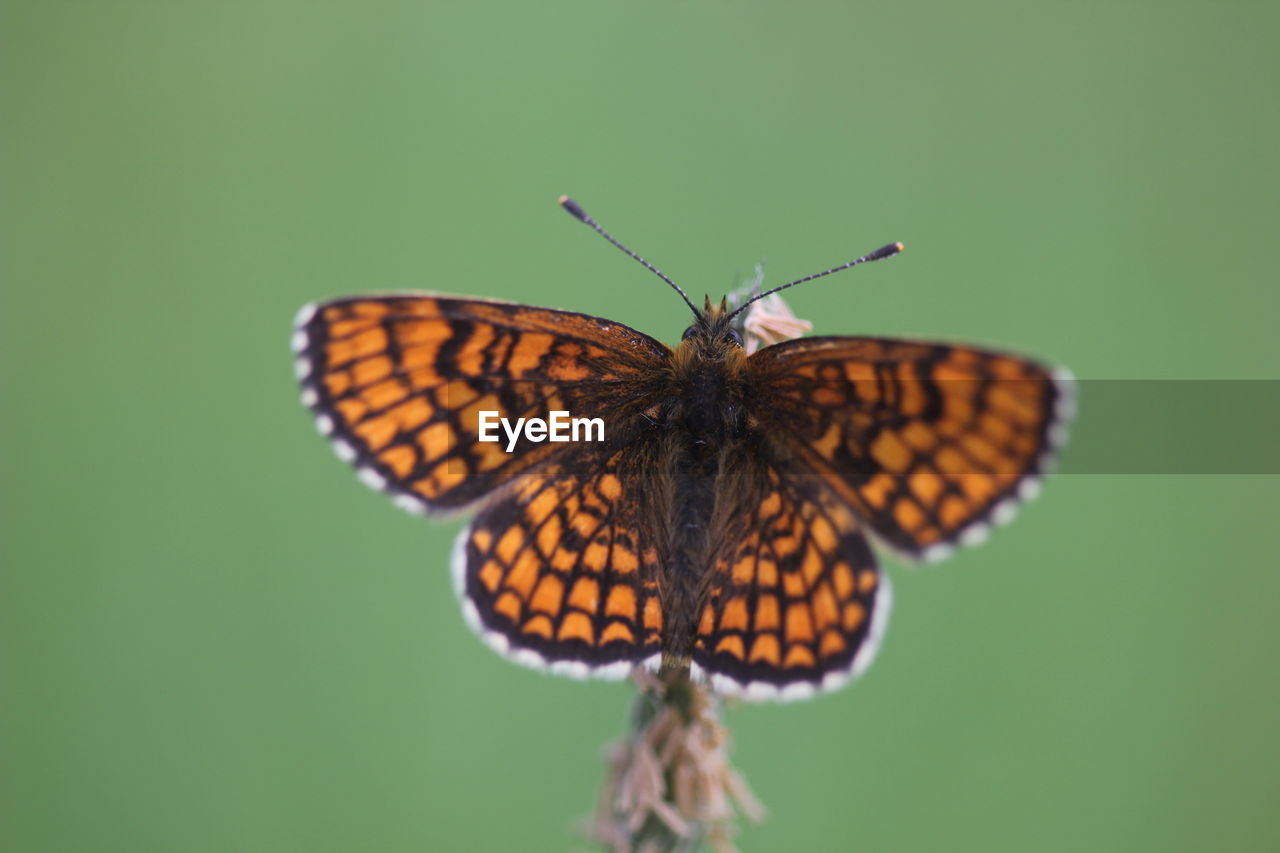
723 523
701 442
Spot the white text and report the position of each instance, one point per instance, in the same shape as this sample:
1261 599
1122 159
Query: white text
560 427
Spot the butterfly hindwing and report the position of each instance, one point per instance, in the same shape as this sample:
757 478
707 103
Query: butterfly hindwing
795 601
929 443
398 384
561 571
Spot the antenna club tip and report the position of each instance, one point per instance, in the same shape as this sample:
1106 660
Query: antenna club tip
886 251
574 209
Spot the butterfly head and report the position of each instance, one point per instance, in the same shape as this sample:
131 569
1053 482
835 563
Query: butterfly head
712 329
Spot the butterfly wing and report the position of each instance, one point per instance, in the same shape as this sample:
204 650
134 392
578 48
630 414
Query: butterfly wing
398 384
929 443
795 602
561 573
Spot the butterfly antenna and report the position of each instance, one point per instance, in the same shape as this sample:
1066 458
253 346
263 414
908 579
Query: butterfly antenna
879 254
578 213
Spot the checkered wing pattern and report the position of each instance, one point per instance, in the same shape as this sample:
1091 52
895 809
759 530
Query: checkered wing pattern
796 602
398 384
562 572
928 443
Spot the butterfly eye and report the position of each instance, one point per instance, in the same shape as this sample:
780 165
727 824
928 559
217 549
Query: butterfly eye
734 336
689 333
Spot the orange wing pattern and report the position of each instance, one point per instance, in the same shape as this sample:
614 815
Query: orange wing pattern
398 383
562 572
929 443
796 603
772 590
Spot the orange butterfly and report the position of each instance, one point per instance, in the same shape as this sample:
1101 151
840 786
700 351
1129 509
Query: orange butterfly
722 524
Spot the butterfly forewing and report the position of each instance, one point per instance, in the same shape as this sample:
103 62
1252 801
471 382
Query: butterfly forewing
399 384
928 443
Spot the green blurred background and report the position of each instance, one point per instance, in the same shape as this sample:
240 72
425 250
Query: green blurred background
214 638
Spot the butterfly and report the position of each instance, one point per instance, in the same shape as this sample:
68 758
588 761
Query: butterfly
722 524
